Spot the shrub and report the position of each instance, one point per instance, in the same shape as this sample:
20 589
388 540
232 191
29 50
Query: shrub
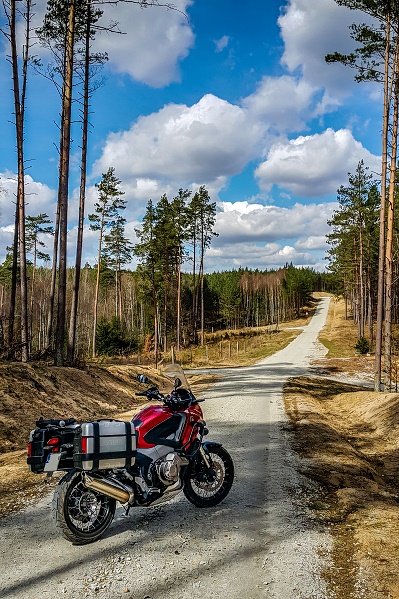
362 346
109 337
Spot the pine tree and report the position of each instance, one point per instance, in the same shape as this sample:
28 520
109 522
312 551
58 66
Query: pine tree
104 218
147 253
117 252
354 238
202 215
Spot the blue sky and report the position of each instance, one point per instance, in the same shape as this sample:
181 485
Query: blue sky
235 97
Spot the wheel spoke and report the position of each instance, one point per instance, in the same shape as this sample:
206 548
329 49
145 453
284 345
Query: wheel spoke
211 485
87 509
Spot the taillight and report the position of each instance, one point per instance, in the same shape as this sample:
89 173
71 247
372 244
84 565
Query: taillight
53 443
29 449
84 444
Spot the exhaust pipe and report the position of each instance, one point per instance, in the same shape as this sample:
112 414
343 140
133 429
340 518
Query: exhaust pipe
110 488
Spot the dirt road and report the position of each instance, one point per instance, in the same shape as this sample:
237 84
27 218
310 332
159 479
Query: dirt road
260 542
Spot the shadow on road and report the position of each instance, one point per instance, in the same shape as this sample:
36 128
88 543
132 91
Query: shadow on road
33 553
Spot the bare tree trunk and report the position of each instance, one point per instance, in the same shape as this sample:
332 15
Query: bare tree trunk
19 107
381 255
154 299
94 351
32 293
362 311
82 195
178 298
13 291
50 316
202 299
390 230
63 185
194 316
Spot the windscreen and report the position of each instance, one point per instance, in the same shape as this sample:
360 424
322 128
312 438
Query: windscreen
173 371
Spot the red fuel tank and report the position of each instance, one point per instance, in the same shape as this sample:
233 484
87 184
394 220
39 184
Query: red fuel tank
159 425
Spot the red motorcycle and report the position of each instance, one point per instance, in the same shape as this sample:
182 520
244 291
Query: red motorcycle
140 463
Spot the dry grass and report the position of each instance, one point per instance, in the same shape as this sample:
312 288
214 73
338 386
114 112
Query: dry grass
348 439
238 350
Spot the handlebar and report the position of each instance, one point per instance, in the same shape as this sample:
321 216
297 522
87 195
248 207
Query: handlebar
151 393
175 399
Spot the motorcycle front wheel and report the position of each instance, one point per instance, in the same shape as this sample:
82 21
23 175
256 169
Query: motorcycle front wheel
206 487
81 514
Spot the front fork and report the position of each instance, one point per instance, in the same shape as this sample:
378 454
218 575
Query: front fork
203 451
204 457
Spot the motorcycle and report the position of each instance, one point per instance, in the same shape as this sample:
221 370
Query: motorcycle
147 461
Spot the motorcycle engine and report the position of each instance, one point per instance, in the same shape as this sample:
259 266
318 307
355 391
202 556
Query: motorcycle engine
168 468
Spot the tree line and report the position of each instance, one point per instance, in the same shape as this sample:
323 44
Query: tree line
125 309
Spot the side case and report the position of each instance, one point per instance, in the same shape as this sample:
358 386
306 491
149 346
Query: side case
104 444
40 451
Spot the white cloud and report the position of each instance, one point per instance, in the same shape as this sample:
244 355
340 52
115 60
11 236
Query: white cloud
150 45
156 40
222 43
239 208
313 242
251 255
204 142
314 165
283 103
39 197
312 29
268 224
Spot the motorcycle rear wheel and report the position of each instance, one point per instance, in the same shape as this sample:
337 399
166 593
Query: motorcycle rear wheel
81 514
205 487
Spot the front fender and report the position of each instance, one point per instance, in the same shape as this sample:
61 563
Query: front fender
210 444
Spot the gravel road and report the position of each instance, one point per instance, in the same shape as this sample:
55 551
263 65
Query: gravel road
260 542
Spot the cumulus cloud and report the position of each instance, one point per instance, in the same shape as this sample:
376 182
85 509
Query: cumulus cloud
39 197
283 103
310 30
314 165
267 237
155 40
242 222
149 46
203 142
251 255
313 242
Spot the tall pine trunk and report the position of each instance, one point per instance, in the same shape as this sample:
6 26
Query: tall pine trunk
97 289
63 185
178 317
19 107
82 194
390 230
381 254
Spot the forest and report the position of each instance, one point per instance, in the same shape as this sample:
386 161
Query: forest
48 308
148 310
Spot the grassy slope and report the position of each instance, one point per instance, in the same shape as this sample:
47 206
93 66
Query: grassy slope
348 440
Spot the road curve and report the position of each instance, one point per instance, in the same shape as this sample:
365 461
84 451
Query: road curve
260 542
